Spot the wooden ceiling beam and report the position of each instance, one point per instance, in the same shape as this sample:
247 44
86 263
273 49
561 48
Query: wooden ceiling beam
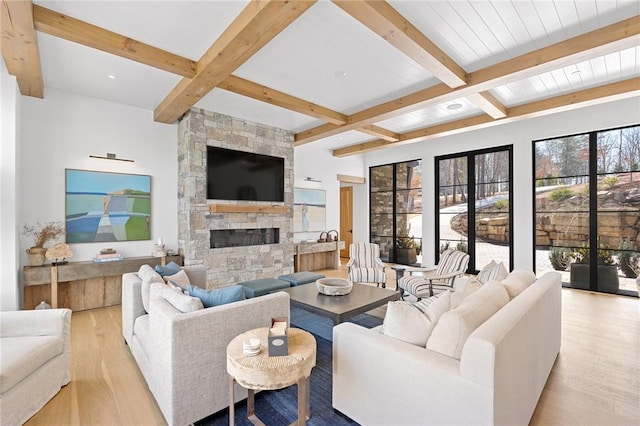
593 96
257 24
379 132
19 45
265 94
488 103
68 28
385 21
612 38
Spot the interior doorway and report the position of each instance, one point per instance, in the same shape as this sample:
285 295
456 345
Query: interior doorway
346 218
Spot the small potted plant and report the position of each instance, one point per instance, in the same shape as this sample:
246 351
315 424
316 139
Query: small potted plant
607 270
41 234
407 248
560 258
628 259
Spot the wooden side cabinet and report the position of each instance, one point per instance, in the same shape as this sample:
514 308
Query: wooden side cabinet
315 256
83 285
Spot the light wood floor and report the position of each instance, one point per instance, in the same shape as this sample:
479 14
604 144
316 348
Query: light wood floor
595 381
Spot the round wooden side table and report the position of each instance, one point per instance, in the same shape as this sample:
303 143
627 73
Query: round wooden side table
262 372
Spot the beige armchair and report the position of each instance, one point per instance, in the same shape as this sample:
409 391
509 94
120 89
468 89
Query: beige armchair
35 361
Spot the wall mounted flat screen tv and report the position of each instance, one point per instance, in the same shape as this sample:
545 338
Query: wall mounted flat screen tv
239 175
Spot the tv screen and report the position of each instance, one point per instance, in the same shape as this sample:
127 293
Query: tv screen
239 175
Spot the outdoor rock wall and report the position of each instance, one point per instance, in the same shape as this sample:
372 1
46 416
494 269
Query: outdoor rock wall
618 219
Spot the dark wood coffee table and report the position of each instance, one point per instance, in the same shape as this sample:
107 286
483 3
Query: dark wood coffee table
362 298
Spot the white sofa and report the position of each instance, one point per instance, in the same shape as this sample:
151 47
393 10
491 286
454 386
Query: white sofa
182 356
35 361
501 373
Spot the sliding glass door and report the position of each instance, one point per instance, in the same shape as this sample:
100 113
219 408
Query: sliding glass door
474 206
587 209
396 211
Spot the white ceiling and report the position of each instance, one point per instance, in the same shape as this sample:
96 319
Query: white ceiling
328 58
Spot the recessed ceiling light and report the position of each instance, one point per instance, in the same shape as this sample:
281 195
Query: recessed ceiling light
340 74
454 106
576 72
112 77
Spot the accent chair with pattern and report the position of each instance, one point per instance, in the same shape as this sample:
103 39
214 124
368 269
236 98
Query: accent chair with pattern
364 264
452 263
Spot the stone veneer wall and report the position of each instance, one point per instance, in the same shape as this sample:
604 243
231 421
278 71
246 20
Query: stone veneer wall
226 266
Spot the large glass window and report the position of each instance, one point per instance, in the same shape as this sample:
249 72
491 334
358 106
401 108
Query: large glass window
587 209
474 205
396 211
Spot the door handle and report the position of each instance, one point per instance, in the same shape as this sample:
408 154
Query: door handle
351 231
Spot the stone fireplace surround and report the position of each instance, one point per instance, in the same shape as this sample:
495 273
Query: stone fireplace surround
227 266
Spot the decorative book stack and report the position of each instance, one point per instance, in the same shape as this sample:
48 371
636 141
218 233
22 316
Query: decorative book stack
108 255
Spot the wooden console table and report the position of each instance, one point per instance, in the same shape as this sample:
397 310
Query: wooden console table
315 256
83 285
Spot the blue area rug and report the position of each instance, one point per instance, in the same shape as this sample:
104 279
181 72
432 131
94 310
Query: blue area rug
280 407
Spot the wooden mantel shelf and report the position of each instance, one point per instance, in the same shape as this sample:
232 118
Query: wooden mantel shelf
236 208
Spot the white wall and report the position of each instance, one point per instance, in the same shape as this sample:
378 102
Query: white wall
312 160
62 130
10 290
521 135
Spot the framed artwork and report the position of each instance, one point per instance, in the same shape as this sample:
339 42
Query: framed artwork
309 210
104 206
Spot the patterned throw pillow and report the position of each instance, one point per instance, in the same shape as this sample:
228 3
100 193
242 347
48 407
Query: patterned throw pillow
485 274
180 279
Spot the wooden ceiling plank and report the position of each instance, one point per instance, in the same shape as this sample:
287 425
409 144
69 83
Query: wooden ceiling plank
68 28
19 45
593 96
274 97
379 132
488 103
385 21
612 38
257 24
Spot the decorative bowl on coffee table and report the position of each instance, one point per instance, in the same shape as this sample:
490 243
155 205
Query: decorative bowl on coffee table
334 286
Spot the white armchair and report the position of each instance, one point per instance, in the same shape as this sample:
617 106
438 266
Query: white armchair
35 361
364 264
452 264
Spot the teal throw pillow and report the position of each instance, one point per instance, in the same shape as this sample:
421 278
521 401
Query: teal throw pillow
217 297
172 268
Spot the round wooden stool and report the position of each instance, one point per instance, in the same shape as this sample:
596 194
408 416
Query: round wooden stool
262 372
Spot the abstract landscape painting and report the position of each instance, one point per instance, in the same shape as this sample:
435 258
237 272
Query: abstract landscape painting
102 206
309 210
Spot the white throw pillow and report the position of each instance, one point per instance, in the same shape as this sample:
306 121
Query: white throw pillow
412 323
517 281
451 332
148 275
470 286
147 271
181 301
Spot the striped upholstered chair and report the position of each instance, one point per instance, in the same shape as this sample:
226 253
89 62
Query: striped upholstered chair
452 263
364 264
